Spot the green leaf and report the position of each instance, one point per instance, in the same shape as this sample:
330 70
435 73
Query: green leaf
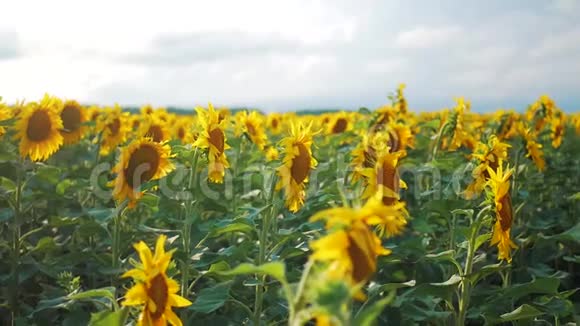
368 316
211 299
275 269
393 286
242 227
49 174
107 292
571 235
7 184
109 318
481 239
63 186
522 312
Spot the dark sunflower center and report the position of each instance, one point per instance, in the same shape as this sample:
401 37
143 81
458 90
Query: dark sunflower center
158 292
216 138
136 123
339 126
251 128
387 176
181 133
142 166
71 118
300 164
155 132
275 123
393 142
362 265
39 126
114 126
505 212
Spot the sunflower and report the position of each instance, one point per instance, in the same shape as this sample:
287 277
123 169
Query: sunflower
182 130
153 289
141 161
383 178
558 125
271 153
400 137
154 127
456 124
4 115
252 125
339 123
296 165
401 105
499 185
534 149
365 154
113 125
487 155
38 128
274 123
213 137
147 110
73 117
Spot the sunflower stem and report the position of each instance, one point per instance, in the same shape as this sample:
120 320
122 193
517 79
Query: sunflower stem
187 223
116 237
16 242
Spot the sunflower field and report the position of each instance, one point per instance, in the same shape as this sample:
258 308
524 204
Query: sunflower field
236 217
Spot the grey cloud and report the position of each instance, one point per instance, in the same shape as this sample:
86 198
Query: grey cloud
9 45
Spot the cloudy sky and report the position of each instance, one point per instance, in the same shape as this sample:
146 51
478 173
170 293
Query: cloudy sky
284 55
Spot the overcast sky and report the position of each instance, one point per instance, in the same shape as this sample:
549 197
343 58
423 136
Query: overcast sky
285 55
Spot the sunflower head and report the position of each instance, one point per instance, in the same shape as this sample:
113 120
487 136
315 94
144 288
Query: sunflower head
114 127
296 165
339 123
499 185
4 115
155 128
213 138
141 161
384 178
38 128
251 124
274 123
153 289
73 116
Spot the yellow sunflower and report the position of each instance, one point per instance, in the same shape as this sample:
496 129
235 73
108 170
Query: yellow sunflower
499 185
401 105
114 126
534 149
271 153
153 289
383 178
274 123
73 117
182 130
487 155
154 127
364 154
141 161
400 137
339 123
296 165
38 128
252 124
147 110
558 125
4 115
213 137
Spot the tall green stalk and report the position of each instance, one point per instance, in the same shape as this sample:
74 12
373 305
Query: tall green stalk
16 243
187 223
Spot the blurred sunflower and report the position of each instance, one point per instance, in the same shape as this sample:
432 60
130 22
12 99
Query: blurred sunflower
153 289
534 149
499 184
364 154
271 153
274 123
38 128
113 125
182 131
155 128
339 123
73 116
252 125
4 115
213 137
296 165
558 125
147 110
141 161
401 105
400 137
383 178
487 155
